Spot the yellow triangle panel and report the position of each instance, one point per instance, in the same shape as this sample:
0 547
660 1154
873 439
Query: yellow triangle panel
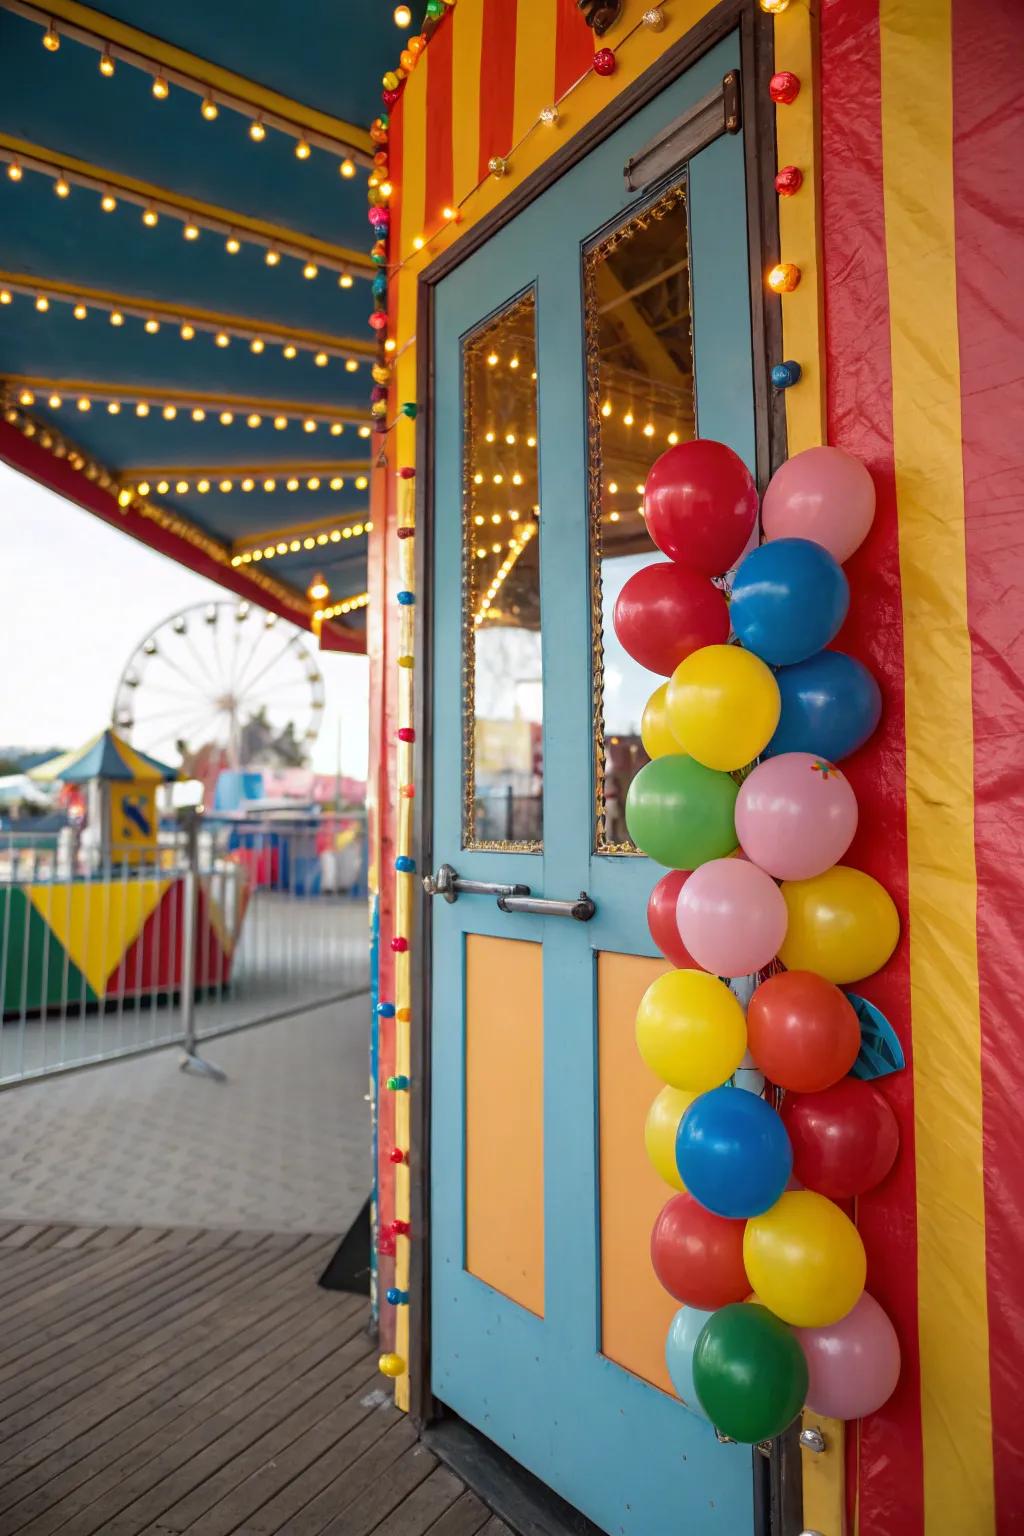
97 920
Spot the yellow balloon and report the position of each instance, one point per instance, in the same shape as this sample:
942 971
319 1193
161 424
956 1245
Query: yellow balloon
805 1260
842 924
654 728
690 1030
723 706
660 1129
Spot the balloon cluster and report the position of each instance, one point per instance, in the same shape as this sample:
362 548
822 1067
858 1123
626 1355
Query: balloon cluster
770 1270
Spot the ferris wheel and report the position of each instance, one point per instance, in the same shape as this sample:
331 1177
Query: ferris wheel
222 683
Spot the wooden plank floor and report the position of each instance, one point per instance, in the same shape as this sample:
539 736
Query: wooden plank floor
186 1381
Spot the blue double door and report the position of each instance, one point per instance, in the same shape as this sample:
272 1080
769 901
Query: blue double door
587 335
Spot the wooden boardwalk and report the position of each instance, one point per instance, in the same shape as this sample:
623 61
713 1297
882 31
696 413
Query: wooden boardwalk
186 1381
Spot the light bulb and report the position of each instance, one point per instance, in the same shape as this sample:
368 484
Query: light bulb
272 257
321 359
85 404
150 218
270 485
202 486
143 487
649 429
253 420
337 428
222 339
347 168
301 150
673 438
108 202
363 432
187 332
257 345
160 89
248 484
181 486
62 186
628 419
51 41
257 132
232 245
309 425
116 317
152 326
226 418
198 414
345 280
280 422
5 296
79 311
106 64
351 365
403 16
142 409
14 171
313 483
310 270
418 242
289 352
209 109
191 231
42 304
169 412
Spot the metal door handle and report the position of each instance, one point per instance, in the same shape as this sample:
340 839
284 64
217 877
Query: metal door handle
449 884
511 898
582 909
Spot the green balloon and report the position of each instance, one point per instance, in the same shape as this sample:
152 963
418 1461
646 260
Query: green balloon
680 813
750 1372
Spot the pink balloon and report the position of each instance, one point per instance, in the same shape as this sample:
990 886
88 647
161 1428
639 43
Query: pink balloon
854 1364
795 815
822 494
731 917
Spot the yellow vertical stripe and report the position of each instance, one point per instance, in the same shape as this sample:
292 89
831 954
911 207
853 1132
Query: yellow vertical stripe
535 63
467 46
917 152
803 330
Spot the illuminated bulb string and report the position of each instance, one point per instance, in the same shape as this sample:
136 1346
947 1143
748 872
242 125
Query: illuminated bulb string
295 546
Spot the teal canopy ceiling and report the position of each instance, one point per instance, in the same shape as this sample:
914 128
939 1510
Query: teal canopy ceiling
106 308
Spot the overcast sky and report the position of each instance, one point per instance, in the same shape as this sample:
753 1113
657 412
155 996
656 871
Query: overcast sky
77 597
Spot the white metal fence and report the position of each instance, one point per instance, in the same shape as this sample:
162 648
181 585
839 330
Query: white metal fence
230 922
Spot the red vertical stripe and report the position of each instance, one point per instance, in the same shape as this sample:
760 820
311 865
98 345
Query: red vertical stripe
574 45
439 167
860 420
988 151
497 87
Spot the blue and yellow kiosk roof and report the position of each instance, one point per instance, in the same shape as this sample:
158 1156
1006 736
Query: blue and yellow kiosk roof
185 279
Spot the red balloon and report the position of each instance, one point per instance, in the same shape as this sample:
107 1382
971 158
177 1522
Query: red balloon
698 1256
844 1140
665 611
802 1031
661 920
700 502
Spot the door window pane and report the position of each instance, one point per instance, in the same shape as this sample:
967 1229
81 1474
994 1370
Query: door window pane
639 402
502 698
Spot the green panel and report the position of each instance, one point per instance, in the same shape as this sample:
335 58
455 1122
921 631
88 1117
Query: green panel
36 969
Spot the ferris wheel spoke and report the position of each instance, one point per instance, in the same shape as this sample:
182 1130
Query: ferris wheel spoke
288 646
162 690
185 729
200 661
251 658
177 710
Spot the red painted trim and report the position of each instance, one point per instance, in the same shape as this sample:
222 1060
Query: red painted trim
498 82
29 457
988 44
440 168
574 45
890 1492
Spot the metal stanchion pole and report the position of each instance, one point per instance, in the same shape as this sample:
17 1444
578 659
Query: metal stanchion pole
191 1059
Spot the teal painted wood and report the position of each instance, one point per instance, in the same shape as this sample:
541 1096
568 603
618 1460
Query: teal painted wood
628 1455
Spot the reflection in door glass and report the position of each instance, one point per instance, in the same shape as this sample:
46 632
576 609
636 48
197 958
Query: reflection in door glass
502 698
639 402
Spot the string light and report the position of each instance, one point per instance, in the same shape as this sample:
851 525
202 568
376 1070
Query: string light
191 231
42 304
62 186
85 404
289 351
160 88
222 339
310 270
79 311
403 16
351 365
232 245
150 217
142 409
272 257
345 280
209 109
108 202
54 402
338 427
673 438
51 41
256 345
198 414
280 422
116 317
347 168
152 327
106 63
187 332
301 149
169 412
14 170
257 132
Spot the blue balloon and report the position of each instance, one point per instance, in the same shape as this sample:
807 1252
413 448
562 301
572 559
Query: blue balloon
733 1153
830 706
789 599
684 1331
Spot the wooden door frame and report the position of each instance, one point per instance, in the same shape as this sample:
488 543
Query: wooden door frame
756 38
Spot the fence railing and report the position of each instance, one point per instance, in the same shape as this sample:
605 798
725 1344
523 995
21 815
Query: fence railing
228 922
